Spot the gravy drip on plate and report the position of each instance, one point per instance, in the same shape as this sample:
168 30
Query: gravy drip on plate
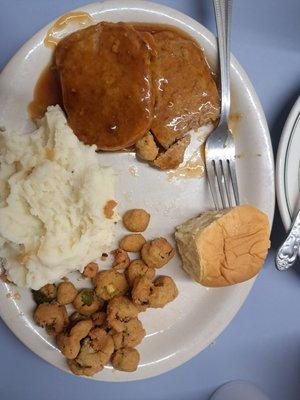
75 17
47 92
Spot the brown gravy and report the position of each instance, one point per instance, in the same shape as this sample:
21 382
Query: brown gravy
155 28
74 17
194 166
47 92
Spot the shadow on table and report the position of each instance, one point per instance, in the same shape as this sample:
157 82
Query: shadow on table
276 127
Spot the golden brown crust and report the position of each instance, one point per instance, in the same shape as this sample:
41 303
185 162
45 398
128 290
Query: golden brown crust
89 361
136 220
126 359
53 317
109 284
229 250
90 270
69 342
99 318
141 291
86 302
121 259
119 311
131 336
108 208
146 148
164 291
132 243
173 156
138 268
66 293
157 252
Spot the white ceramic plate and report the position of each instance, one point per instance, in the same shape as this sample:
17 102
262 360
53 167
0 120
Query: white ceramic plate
194 320
287 168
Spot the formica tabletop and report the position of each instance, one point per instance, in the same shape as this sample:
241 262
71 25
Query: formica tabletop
262 344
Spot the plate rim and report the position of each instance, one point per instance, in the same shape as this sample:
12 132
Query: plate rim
281 160
246 287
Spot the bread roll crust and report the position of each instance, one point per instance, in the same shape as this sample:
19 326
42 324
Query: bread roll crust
222 248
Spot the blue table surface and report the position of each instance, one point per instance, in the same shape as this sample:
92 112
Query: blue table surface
262 344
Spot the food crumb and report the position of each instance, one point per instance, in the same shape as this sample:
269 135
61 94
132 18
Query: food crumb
133 170
9 295
23 258
128 196
235 117
104 256
17 296
108 209
4 278
90 270
65 279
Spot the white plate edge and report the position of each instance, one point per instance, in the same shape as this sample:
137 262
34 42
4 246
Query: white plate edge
190 22
281 162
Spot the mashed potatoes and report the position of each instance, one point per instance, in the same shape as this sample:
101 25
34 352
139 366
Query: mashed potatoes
53 192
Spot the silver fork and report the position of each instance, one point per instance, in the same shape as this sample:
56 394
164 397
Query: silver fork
220 146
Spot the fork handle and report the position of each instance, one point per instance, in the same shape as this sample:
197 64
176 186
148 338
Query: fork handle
223 10
288 251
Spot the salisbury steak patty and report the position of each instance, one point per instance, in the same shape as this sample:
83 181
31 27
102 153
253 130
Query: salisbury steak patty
106 84
186 93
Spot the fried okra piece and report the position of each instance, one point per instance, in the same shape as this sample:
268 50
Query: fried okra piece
164 291
138 268
76 317
66 293
136 220
121 259
86 302
109 284
98 338
90 270
119 311
146 148
99 318
132 335
89 361
141 291
53 317
69 342
132 243
126 359
158 252
45 294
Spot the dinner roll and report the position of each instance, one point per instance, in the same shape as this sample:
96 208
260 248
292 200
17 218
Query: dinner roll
221 248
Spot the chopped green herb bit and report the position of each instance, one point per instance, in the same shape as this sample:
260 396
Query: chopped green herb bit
87 297
39 297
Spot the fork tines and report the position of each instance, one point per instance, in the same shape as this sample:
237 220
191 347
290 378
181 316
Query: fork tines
223 183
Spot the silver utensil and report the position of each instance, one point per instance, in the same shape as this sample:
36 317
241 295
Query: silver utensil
288 251
220 146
